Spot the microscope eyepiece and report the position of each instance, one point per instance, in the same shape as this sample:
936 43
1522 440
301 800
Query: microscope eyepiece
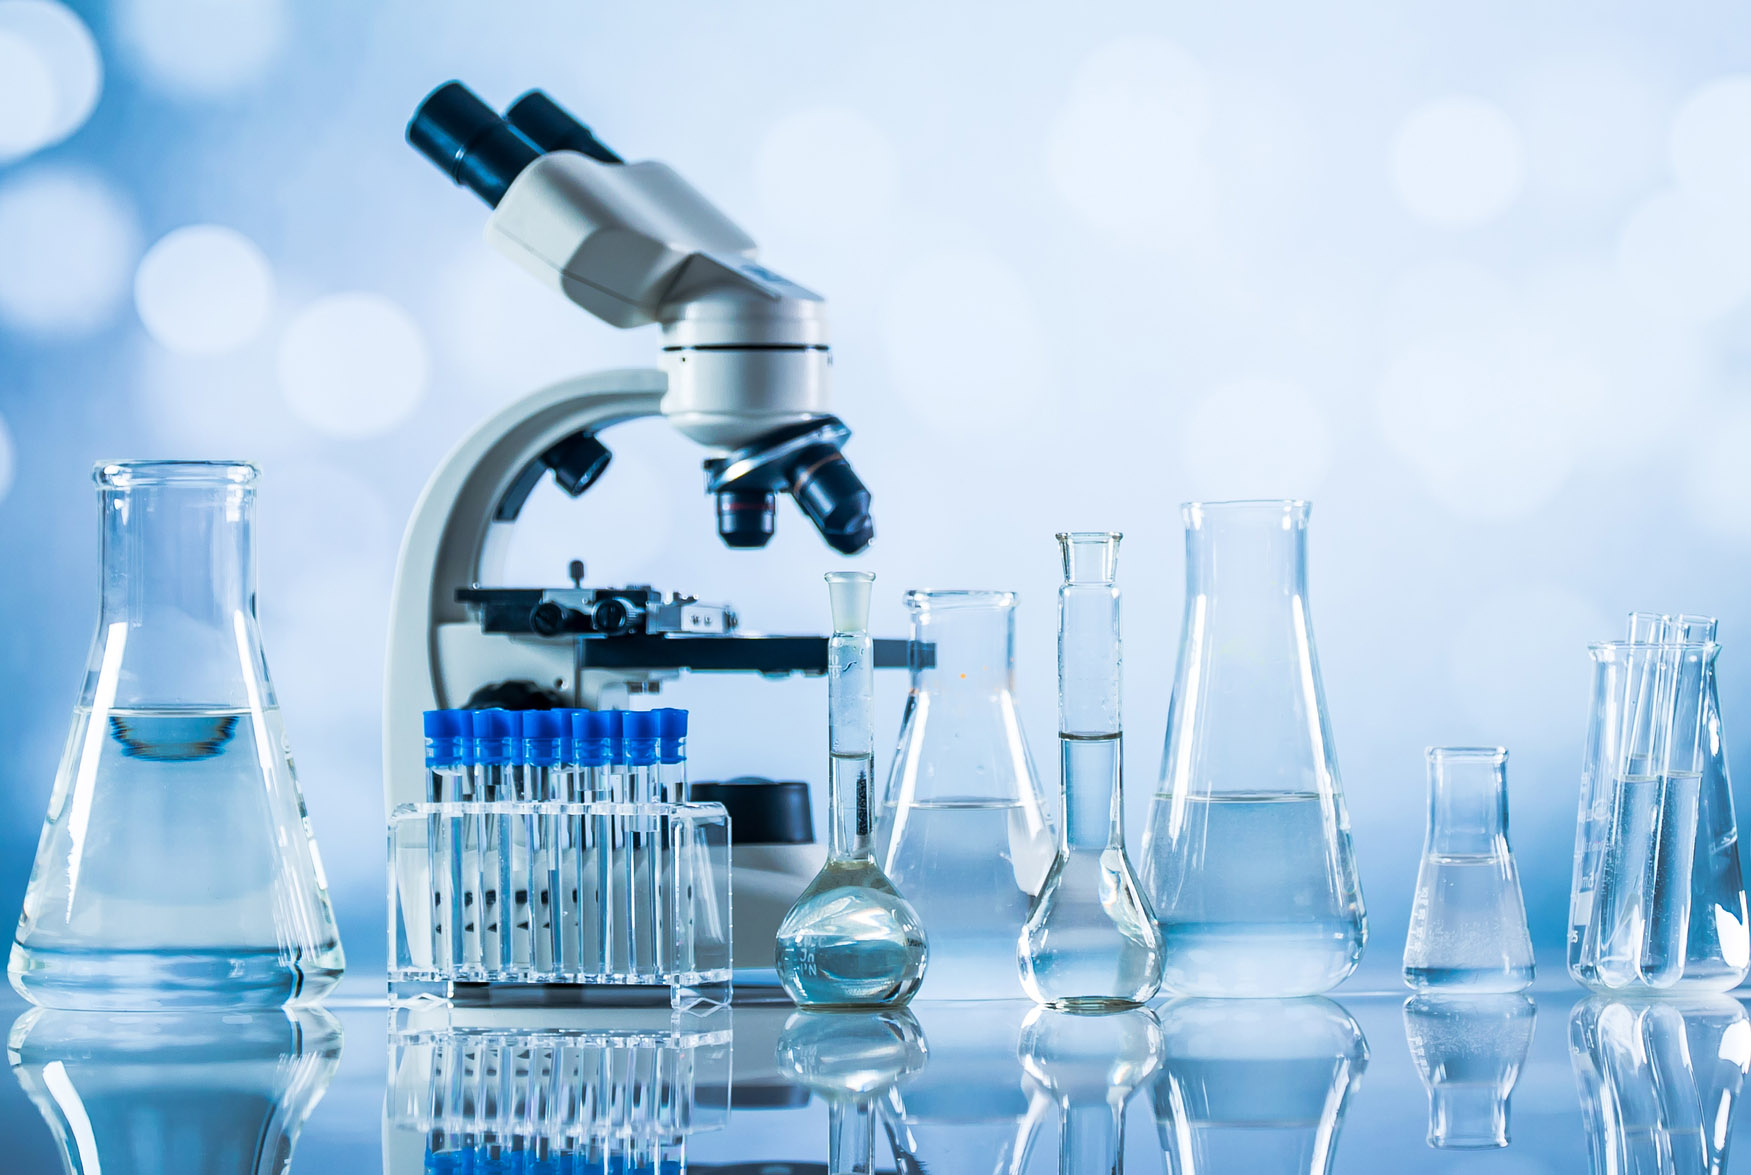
551 127
469 142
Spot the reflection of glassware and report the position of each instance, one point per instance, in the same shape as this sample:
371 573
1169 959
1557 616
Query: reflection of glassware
1090 943
1658 1080
967 1112
1247 858
852 1061
1468 922
1090 1068
851 940
1635 840
1717 953
176 868
1258 1086
195 1093
1469 1049
965 833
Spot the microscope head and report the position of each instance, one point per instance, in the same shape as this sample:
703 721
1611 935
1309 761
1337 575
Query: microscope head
745 350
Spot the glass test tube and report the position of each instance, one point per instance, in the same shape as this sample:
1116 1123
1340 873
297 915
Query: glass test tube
615 900
449 743
497 745
545 738
642 731
588 921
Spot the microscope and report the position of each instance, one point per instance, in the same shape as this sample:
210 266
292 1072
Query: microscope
744 371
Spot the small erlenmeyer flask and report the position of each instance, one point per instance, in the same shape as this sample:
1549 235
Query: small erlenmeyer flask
176 868
1468 921
1090 943
966 835
1468 1050
1247 859
851 940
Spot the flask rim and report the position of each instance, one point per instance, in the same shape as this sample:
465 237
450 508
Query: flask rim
927 599
127 475
1466 754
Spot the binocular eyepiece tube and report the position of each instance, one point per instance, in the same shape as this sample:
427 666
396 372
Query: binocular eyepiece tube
482 150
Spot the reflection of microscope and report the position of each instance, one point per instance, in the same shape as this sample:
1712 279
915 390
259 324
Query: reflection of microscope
744 371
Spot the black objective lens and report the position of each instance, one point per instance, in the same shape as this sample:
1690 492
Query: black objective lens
551 127
745 518
833 497
469 142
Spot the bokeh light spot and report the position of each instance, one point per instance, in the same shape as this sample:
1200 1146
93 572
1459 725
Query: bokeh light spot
1685 257
67 246
50 75
203 289
1457 161
8 462
820 170
1255 439
201 48
1709 140
353 365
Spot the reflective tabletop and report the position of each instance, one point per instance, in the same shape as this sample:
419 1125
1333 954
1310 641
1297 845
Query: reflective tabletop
1373 1081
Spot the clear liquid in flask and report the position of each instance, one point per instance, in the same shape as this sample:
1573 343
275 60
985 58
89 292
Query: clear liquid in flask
1468 925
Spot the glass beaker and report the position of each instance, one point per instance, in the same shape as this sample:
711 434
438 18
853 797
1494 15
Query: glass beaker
851 940
1090 1069
1717 952
201 1093
852 1061
176 867
1468 1050
1090 943
1468 921
1635 838
1257 1086
965 832
1247 859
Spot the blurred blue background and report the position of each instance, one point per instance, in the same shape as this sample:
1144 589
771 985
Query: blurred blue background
1473 279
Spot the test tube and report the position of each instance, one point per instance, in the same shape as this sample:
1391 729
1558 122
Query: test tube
671 755
449 739
583 922
497 745
643 736
546 734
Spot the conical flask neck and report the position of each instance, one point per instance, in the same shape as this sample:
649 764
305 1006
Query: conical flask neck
1468 801
1252 554
962 642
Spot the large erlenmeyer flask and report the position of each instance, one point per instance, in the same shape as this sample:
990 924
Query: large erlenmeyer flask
964 830
176 868
1247 859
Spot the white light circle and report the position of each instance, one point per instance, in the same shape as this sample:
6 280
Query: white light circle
1687 257
202 48
203 289
827 168
1126 151
67 246
1255 439
1457 161
50 75
1709 137
8 460
353 365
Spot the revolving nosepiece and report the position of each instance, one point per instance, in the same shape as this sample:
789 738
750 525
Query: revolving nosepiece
805 460
469 142
848 592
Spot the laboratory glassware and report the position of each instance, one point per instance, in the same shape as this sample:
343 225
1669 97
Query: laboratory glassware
851 940
1658 1080
1717 953
1468 921
1247 859
967 1112
1468 1049
1090 943
176 867
853 1061
965 834
1089 1068
1635 839
202 1093
1256 1085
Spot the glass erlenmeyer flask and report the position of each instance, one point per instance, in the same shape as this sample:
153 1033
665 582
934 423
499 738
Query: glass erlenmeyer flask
184 1093
1468 921
1090 943
1247 858
966 836
176 868
1258 1086
851 940
1468 1050
1090 1069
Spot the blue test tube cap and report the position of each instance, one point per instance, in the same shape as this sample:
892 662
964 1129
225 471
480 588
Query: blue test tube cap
671 734
545 733
592 738
498 736
615 722
568 734
641 729
449 738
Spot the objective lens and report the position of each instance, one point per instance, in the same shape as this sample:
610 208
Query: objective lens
745 518
834 498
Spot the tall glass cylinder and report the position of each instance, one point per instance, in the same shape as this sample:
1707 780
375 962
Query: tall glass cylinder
965 832
1247 860
176 868
1090 943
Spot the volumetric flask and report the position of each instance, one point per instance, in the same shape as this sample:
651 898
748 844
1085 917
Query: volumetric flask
1247 859
176 868
1635 839
1468 921
965 831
